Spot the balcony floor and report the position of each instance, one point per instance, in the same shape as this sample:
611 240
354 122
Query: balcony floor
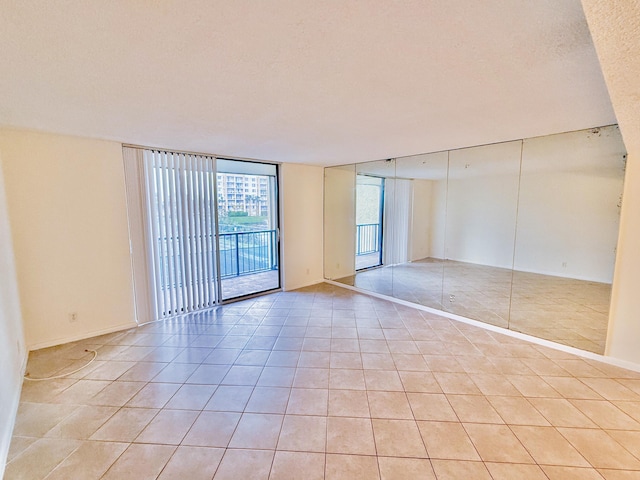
233 287
367 260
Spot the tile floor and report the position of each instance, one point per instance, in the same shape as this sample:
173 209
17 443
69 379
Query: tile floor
563 310
323 383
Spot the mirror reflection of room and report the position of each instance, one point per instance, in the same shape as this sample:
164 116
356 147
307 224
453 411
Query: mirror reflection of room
519 234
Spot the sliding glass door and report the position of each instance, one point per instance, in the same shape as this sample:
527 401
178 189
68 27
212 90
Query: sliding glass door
203 230
248 227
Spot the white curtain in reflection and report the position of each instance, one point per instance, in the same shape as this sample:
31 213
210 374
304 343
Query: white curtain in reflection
398 199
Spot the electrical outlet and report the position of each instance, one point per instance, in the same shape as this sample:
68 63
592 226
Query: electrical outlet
73 317
452 298
564 264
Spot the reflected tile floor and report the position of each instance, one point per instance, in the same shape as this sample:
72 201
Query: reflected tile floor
323 383
564 310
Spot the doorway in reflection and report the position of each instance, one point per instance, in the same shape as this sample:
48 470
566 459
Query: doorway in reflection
369 221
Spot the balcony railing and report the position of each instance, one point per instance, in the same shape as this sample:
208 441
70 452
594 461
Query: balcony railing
241 253
367 238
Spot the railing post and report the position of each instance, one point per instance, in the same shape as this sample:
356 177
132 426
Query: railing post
273 249
237 257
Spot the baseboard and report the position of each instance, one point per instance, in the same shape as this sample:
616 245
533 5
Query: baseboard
82 336
522 336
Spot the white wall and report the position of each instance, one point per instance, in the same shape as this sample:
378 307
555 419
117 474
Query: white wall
615 29
12 349
568 225
481 220
302 194
482 197
566 206
568 214
67 209
340 224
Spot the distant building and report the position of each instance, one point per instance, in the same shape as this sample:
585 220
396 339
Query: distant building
243 193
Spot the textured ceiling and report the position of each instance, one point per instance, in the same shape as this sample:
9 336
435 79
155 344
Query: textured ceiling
616 27
298 80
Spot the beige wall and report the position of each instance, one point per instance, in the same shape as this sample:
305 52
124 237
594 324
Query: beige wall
340 224
421 220
615 28
301 224
68 218
438 218
623 339
12 350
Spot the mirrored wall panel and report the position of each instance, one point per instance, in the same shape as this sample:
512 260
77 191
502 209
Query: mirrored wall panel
421 196
520 234
482 199
375 232
568 220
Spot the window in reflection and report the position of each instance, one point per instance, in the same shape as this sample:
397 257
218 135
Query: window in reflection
369 221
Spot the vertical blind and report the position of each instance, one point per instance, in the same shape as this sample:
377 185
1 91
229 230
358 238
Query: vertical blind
180 200
171 198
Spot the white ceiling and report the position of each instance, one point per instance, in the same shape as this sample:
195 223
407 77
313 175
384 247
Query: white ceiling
308 81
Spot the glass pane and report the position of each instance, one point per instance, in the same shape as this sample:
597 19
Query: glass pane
568 223
248 227
482 199
369 213
418 278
